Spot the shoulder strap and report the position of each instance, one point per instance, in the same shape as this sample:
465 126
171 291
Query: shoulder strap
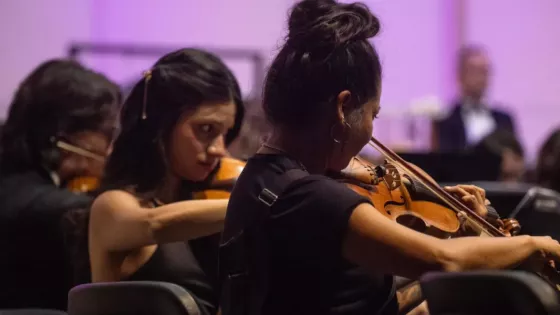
270 194
268 197
245 279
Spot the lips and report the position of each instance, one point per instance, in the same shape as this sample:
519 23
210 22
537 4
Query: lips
208 165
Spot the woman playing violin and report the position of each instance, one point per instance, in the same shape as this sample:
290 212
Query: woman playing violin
298 242
175 127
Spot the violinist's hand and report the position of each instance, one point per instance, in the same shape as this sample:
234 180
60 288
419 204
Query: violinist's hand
548 253
474 197
421 309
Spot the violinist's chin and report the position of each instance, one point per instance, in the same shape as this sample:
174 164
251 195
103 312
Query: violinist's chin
205 168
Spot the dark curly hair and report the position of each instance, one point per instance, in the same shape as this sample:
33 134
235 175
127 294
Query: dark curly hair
60 97
326 51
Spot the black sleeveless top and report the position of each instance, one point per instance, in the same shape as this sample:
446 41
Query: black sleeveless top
189 264
185 264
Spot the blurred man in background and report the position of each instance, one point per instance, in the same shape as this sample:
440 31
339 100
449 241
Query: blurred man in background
471 119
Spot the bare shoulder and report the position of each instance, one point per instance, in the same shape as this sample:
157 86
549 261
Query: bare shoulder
114 201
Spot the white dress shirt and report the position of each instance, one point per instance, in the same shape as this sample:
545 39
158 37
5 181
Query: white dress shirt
478 121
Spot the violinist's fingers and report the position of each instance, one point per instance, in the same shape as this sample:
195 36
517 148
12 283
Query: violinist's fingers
550 248
470 200
480 190
460 192
473 203
471 196
457 190
476 191
487 202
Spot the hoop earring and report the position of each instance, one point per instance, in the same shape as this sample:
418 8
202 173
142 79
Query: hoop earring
346 126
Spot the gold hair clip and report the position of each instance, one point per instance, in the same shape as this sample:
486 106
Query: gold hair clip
147 77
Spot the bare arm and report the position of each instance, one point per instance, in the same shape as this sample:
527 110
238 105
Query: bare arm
122 224
381 245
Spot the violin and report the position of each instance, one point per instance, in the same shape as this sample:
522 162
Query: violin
223 181
219 188
391 187
83 184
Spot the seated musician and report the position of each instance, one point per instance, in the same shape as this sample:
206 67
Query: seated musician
547 172
175 126
59 102
322 248
504 144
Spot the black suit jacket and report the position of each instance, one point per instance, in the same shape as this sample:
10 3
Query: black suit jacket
33 264
451 134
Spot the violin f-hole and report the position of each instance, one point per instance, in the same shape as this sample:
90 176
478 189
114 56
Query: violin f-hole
413 222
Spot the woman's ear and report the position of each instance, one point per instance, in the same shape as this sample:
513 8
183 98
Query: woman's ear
342 103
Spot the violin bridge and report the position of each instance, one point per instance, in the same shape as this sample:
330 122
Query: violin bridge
392 178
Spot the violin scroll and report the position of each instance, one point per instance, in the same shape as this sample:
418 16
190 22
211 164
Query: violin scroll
511 227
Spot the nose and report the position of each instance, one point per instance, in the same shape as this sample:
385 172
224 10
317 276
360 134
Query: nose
218 147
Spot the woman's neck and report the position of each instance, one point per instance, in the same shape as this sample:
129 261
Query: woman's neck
302 146
169 191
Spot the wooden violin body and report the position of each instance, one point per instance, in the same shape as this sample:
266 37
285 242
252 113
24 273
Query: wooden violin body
383 185
223 181
387 187
84 184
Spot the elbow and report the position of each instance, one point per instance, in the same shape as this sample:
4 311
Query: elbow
153 224
449 260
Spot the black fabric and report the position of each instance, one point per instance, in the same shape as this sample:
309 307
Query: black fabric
192 265
306 271
33 270
176 263
505 292
244 256
131 298
451 129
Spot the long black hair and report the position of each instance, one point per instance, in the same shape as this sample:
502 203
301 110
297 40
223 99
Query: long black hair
327 51
178 82
58 97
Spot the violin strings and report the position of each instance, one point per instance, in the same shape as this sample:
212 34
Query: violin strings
401 168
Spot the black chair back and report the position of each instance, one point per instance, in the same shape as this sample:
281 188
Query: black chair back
489 293
539 212
32 311
131 298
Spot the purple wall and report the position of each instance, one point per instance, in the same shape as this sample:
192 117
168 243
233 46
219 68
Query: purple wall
417 44
35 30
523 39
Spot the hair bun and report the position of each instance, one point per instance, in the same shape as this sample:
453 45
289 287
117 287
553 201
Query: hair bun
320 24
